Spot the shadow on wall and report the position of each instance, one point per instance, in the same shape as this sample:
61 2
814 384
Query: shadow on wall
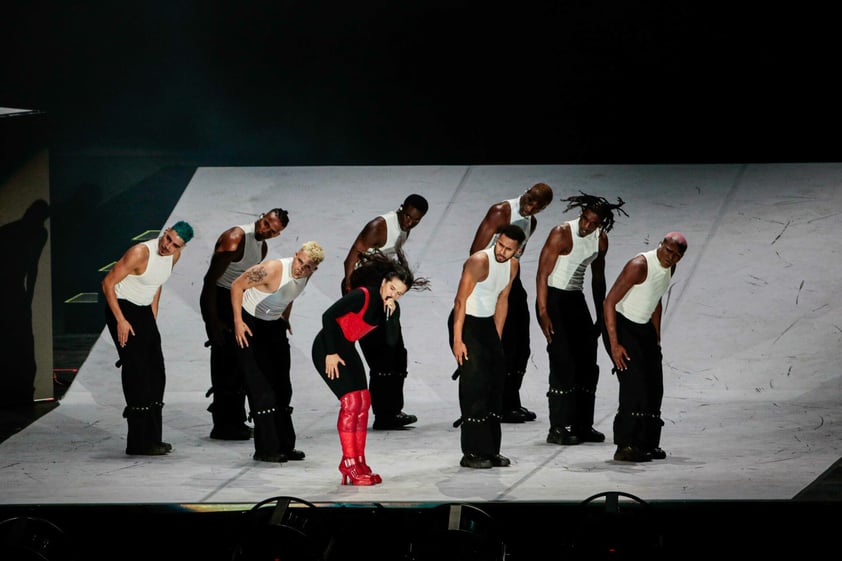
21 244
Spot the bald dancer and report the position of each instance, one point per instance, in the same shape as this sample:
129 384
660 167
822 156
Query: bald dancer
521 212
632 310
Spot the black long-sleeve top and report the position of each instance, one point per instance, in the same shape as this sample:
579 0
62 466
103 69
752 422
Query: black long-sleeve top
374 315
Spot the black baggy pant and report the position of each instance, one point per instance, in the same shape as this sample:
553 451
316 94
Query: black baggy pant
142 373
638 419
574 372
228 408
481 379
516 344
265 366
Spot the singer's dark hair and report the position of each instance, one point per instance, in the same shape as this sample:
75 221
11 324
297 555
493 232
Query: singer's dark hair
375 266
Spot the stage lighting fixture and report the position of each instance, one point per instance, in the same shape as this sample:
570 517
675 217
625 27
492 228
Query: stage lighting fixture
284 529
24 538
624 528
456 532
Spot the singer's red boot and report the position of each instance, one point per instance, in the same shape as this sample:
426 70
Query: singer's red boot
362 432
349 467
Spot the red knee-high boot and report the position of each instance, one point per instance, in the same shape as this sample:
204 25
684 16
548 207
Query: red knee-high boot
349 408
362 432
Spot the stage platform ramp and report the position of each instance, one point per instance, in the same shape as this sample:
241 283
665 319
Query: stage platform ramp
751 338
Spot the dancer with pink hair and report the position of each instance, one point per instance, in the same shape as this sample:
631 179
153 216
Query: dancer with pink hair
632 311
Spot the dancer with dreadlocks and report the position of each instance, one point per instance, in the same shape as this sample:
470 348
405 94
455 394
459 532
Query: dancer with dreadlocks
565 319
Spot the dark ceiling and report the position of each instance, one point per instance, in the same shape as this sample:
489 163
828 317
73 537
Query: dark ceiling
419 82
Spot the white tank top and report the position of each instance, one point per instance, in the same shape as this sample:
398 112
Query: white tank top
569 270
525 223
640 301
270 305
252 255
140 289
482 302
395 237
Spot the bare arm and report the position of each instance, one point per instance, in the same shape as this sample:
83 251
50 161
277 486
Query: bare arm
474 270
229 248
263 276
133 262
501 310
155 301
157 298
656 320
598 278
634 272
656 316
559 242
372 236
496 217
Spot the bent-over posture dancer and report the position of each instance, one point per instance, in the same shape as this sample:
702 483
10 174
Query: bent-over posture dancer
388 364
633 326
565 320
475 327
521 212
261 301
132 290
236 249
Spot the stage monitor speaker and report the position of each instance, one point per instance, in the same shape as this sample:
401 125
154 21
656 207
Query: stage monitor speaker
25 538
284 529
623 527
456 532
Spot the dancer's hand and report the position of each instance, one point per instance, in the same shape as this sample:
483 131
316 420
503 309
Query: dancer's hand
546 326
620 356
460 351
124 329
240 332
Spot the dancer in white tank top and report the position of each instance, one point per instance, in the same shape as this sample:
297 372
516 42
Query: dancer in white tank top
633 311
132 290
474 326
521 212
236 249
261 303
572 336
386 234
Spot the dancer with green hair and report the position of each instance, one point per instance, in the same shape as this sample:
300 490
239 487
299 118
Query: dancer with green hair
132 290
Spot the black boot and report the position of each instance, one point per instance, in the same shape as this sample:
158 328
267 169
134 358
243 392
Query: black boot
228 417
286 434
143 436
387 401
562 435
266 444
513 409
583 427
653 426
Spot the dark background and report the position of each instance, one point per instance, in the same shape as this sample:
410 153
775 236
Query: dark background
415 82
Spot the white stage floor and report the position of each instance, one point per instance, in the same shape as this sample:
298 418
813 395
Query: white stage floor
750 339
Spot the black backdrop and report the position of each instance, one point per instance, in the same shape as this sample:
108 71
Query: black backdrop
279 82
